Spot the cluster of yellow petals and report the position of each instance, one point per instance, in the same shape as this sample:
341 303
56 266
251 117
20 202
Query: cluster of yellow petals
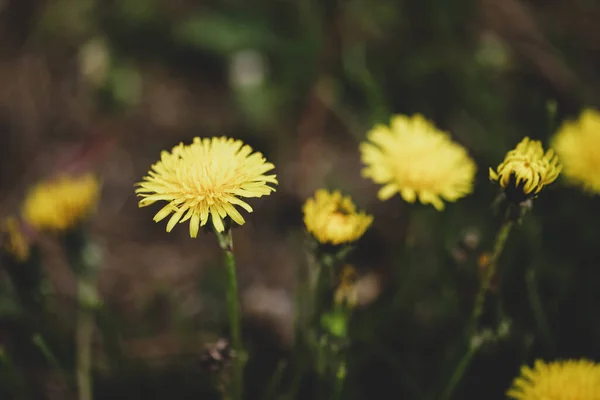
558 380
414 158
333 219
13 239
577 143
206 178
61 204
527 168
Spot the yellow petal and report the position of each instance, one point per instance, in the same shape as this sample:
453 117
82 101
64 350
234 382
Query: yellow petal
387 191
164 212
194 225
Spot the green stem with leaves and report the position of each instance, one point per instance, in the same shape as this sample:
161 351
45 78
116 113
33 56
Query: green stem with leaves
484 286
489 273
233 309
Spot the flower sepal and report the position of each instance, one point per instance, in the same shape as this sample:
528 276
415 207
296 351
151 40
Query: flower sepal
511 210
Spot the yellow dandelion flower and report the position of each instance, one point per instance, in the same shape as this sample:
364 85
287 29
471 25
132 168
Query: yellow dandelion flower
333 218
206 178
577 143
526 169
414 158
60 204
558 380
14 241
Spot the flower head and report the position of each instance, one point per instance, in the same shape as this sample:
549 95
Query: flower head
412 157
206 178
558 380
60 204
577 143
14 240
526 169
332 218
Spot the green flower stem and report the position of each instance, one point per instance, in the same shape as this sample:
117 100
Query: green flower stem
233 308
85 259
538 310
490 271
340 378
41 344
88 302
322 284
460 370
83 342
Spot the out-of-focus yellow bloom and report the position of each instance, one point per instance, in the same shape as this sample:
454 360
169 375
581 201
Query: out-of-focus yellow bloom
60 204
346 291
414 158
206 178
13 239
558 380
577 143
333 218
526 169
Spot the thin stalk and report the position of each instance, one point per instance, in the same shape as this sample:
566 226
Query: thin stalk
233 309
538 310
340 378
489 273
41 344
85 259
460 370
83 343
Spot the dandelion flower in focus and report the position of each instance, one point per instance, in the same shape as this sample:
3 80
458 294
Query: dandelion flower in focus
13 239
206 179
412 157
332 218
558 380
526 170
577 143
61 204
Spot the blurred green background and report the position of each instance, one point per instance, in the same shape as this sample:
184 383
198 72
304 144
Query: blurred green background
108 84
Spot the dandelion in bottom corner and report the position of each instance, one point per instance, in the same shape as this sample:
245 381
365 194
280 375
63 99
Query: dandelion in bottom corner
557 380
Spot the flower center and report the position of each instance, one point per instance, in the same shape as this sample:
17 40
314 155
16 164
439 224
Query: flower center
338 223
338 219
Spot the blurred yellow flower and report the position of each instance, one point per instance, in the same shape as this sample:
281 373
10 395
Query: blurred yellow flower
13 239
526 169
60 204
332 218
577 143
414 158
206 178
558 380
